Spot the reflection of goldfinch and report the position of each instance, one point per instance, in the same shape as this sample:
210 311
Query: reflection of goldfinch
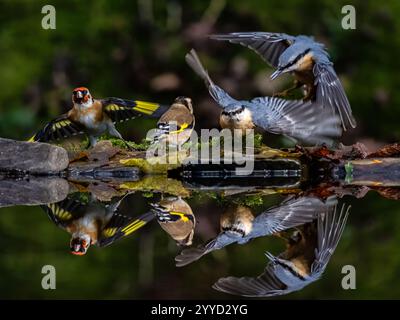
307 122
240 227
176 218
95 117
176 125
93 223
303 262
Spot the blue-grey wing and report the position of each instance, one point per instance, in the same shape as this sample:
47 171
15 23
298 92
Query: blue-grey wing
330 230
268 45
265 285
217 93
330 92
306 122
190 255
290 213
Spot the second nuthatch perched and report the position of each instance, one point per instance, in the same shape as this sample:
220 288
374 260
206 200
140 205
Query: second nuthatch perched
306 59
176 218
306 256
238 224
307 122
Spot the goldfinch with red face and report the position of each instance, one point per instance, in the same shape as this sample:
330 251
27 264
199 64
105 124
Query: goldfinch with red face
95 117
94 223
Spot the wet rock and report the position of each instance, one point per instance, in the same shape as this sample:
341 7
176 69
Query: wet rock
32 191
33 157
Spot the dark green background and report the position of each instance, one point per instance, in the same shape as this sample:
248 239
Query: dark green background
132 50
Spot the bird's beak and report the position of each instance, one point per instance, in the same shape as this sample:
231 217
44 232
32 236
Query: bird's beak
79 95
276 74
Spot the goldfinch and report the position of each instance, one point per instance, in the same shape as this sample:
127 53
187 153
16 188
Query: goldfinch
176 217
95 117
175 126
94 223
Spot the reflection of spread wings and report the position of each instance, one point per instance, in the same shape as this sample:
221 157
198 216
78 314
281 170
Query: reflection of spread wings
121 109
290 213
58 129
63 212
121 226
279 278
268 45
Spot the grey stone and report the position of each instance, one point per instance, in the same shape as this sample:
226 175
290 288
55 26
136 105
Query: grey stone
34 157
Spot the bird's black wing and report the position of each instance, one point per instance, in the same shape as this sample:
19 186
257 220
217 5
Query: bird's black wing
121 226
265 285
57 129
330 92
268 45
121 109
330 230
63 212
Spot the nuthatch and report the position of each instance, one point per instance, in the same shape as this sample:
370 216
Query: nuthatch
95 117
176 218
175 126
306 59
307 122
238 225
303 262
93 223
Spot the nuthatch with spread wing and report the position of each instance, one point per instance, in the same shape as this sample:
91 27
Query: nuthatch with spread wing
239 226
176 218
93 223
303 262
307 122
96 117
175 126
306 59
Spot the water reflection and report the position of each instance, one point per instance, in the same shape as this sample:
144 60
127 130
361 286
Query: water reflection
309 221
308 251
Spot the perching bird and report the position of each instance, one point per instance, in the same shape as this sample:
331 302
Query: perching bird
239 226
176 218
306 59
303 262
176 125
93 223
96 117
306 122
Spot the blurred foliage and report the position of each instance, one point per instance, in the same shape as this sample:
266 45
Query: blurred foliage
135 49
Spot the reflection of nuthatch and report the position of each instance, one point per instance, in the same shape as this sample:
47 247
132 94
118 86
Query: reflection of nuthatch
176 218
240 227
93 223
303 262
306 59
306 122
176 125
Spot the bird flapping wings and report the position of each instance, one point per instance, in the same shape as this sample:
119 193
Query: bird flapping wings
121 226
277 280
268 45
63 212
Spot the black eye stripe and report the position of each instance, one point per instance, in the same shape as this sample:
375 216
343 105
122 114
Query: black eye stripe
297 59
